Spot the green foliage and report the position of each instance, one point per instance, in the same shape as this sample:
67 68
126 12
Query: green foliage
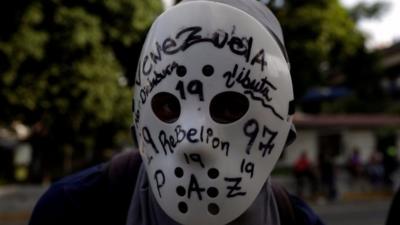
326 49
64 64
319 35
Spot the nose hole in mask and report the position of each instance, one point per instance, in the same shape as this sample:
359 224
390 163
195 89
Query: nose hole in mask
228 107
166 107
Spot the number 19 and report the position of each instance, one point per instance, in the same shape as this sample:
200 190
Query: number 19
195 87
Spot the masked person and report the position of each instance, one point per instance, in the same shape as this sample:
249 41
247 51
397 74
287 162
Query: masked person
213 105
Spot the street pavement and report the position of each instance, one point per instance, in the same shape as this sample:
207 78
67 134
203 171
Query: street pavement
17 202
357 212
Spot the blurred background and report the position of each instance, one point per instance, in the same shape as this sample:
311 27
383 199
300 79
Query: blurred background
66 75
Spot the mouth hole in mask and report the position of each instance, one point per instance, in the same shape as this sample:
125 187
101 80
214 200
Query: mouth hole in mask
166 107
228 107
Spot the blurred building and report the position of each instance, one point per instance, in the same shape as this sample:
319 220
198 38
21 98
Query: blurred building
391 64
337 135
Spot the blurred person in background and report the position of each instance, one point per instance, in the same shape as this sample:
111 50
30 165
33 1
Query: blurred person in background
355 168
375 169
390 164
213 105
328 176
305 175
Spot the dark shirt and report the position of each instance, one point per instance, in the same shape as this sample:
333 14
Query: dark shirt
394 216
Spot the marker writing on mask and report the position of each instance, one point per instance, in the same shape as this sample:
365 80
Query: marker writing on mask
193 135
190 36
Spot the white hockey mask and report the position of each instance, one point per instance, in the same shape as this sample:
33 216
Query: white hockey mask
211 110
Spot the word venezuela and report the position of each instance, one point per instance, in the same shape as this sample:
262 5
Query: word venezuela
190 36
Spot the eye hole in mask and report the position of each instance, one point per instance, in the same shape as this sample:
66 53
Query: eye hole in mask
166 107
228 107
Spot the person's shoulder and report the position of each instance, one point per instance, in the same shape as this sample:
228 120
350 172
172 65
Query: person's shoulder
83 177
304 214
97 176
104 187
67 194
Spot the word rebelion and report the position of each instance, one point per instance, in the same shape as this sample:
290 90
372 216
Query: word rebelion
169 142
